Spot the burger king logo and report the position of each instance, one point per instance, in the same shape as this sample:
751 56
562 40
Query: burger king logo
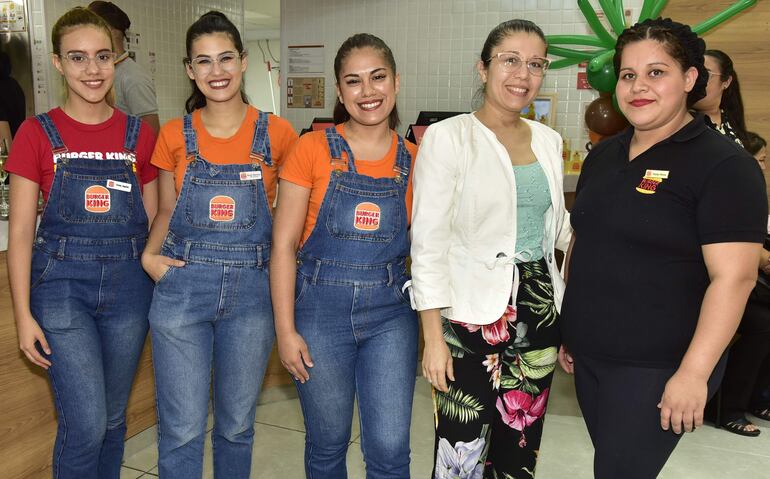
97 199
367 217
222 208
649 185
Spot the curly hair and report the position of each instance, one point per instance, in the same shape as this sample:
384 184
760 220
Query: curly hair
678 40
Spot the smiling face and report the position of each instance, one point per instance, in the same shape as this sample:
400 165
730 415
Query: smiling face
652 88
367 86
216 67
512 91
92 83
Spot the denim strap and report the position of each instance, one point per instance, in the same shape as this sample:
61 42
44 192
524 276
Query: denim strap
403 159
133 125
260 144
57 145
190 139
338 146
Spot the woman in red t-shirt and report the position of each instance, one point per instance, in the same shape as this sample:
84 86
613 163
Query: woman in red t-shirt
80 295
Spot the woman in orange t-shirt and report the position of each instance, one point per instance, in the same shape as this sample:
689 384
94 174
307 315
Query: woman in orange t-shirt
338 271
208 252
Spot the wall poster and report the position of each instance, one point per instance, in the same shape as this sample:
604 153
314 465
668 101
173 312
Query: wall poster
305 92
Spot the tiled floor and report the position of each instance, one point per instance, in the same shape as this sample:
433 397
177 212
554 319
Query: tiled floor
565 451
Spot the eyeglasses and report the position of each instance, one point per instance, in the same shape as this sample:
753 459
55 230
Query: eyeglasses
103 60
204 65
714 74
510 62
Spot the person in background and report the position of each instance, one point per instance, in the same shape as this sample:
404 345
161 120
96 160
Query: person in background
80 296
13 105
488 213
745 376
5 132
757 146
668 220
723 105
134 89
345 328
211 317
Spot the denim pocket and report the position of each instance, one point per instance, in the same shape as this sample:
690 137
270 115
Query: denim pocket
300 288
364 215
42 264
224 205
166 274
86 199
400 294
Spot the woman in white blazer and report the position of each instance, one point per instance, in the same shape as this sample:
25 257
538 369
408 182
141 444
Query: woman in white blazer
488 212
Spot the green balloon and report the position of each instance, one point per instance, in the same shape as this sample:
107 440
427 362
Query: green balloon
603 80
615 104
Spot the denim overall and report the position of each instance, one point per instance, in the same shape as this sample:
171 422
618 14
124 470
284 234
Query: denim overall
90 296
359 327
214 312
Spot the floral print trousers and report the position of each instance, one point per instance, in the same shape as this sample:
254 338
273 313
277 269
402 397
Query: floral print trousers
489 423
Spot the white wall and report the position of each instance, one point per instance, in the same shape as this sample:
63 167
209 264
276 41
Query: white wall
436 44
161 24
257 78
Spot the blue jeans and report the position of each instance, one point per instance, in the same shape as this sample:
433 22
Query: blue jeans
363 341
94 316
204 317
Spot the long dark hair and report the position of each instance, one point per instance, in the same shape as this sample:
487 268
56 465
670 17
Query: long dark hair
208 23
363 40
731 102
679 41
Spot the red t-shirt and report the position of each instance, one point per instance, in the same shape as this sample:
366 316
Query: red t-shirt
32 158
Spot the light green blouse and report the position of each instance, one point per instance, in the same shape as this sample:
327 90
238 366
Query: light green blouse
533 199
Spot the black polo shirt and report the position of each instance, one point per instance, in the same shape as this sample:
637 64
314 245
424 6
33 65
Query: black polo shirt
637 276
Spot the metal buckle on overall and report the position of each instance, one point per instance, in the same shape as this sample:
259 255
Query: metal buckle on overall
62 159
401 174
131 160
339 166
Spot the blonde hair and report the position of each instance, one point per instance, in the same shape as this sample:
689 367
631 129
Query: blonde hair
73 19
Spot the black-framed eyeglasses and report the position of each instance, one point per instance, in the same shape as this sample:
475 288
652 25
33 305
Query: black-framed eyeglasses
511 62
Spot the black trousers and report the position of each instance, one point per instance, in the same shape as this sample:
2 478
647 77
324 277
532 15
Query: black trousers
619 405
744 376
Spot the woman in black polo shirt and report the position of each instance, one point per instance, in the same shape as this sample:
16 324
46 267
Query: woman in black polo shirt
669 218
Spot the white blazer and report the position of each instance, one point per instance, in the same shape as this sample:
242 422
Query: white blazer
464 219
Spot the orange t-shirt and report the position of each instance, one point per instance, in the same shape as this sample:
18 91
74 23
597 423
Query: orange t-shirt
309 165
170 153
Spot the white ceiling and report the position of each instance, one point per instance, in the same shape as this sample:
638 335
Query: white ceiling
262 19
